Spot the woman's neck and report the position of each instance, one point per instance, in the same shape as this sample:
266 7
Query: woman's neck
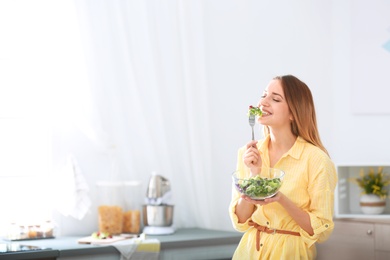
283 137
279 144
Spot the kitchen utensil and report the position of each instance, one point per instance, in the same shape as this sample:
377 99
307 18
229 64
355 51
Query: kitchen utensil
157 215
96 241
252 119
158 211
158 186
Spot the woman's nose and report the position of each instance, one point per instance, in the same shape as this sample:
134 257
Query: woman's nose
263 102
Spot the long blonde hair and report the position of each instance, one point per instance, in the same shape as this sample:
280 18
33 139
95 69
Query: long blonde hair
300 102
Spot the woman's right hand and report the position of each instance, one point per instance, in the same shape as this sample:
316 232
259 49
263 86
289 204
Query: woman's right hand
252 157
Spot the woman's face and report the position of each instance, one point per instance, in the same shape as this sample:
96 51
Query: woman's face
276 113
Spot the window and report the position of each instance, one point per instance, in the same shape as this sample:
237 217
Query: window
41 64
24 170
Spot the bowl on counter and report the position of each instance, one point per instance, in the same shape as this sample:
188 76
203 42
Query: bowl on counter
157 215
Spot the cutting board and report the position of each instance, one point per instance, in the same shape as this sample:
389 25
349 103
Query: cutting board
96 241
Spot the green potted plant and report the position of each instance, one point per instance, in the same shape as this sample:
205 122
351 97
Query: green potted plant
374 192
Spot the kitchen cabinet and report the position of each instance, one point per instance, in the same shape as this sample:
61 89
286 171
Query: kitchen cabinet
199 244
382 241
356 235
355 239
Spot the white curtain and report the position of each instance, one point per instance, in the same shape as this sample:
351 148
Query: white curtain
146 62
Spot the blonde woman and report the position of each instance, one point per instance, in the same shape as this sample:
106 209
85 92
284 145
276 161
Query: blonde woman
288 225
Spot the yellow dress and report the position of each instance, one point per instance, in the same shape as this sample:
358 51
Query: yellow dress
310 180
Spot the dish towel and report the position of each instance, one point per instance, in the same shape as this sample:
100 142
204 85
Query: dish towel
72 191
138 249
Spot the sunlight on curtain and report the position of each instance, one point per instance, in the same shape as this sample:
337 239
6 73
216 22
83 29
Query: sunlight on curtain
42 82
147 69
149 107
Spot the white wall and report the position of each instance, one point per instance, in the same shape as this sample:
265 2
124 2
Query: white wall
249 43
358 138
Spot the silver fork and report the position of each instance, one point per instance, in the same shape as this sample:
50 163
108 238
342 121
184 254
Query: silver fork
252 119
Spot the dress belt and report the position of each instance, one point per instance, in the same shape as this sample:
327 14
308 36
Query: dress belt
268 231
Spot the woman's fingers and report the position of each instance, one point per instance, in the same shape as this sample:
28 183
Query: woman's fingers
265 201
252 152
251 144
251 158
251 155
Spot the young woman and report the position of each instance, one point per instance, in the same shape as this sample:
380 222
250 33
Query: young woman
288 225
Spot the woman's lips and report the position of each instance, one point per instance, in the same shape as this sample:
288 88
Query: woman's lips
266 113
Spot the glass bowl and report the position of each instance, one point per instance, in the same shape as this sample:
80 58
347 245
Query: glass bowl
264 185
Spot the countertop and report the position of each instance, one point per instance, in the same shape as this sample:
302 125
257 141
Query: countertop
69 247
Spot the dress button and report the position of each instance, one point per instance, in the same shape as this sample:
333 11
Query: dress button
267 223
326 225
261 244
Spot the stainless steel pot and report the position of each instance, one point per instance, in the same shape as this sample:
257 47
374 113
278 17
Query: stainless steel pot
157 215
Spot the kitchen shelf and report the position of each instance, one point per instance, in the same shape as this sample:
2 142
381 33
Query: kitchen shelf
348 193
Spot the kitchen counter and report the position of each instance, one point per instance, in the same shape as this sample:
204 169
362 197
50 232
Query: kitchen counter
189 243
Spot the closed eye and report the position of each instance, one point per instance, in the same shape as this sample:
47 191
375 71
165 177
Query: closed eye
276 98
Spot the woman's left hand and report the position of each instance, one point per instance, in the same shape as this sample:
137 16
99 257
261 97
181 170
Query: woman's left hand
275 198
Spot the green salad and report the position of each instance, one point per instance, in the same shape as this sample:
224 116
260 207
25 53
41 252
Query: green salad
257 187
255 111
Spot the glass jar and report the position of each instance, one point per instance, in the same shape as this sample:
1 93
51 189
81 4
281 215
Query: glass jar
119 207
